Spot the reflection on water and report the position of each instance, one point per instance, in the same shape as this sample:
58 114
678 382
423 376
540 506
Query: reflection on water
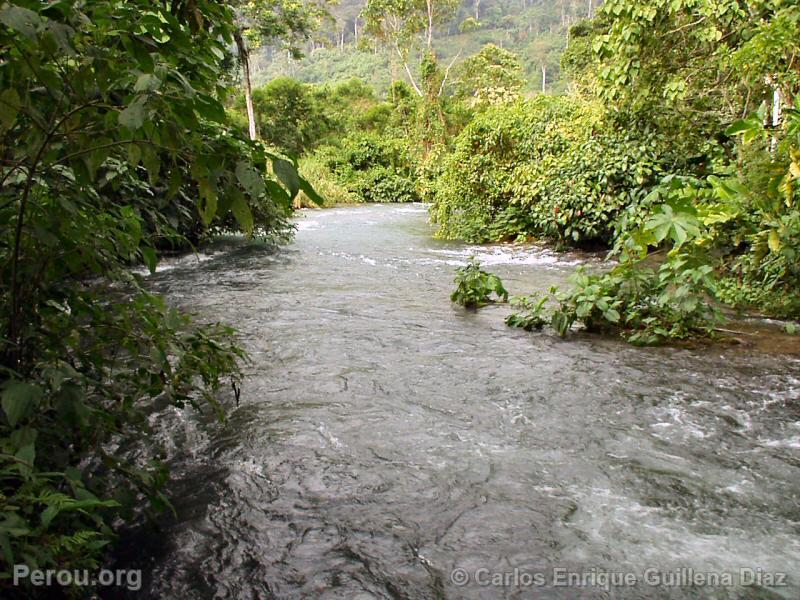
385 437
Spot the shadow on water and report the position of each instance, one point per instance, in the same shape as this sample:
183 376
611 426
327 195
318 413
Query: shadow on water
385 438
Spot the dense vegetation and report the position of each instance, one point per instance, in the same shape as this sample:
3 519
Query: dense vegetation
115 147
662 148
342 49
676 147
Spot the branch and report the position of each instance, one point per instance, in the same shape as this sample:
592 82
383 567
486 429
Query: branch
687 25
447 71
408 71
110 145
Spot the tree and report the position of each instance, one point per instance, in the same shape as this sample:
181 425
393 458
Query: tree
291 117
287 22
679 58
113 143
492 76
408 26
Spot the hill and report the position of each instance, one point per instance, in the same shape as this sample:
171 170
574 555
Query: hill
536 30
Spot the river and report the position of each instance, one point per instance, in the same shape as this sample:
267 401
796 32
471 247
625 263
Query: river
389 444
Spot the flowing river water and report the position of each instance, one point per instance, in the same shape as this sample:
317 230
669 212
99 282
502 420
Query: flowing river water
389 444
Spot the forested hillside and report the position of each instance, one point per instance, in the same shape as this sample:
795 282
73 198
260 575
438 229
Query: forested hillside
536 30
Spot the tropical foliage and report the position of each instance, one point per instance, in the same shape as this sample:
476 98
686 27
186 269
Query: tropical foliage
492 76
678 149
115 145
551 167
475 287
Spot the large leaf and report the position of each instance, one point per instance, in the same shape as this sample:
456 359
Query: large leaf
210 108
288 175
252 181
241 210
25 458
741 126
309 191
61 35
19 399
208 201
21 19
147 83
9 107
278 194
133 116
675 225
150 257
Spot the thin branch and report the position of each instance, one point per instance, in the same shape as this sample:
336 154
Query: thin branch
688 25
408 71
447 72
110 145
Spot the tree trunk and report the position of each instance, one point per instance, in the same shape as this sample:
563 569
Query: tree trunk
408 70
429 4
544 79
776 117
244 58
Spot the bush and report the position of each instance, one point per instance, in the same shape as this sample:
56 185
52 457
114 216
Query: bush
645 305
474 287
377 168
783 302
289 116
327 185
108 152
533 315
552 167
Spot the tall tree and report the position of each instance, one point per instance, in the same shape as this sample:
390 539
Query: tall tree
492 76
286 23
408 26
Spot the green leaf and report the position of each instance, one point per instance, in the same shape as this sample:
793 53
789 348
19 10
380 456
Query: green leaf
9 107
208 201
210 108
774 241
14 525
740 127
175 183
278 194
150 257
49 513
241 210
309 191
147 83
151 162
134 154
25 458
19 398
133 116
21 19
287 173
252 181
61 35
